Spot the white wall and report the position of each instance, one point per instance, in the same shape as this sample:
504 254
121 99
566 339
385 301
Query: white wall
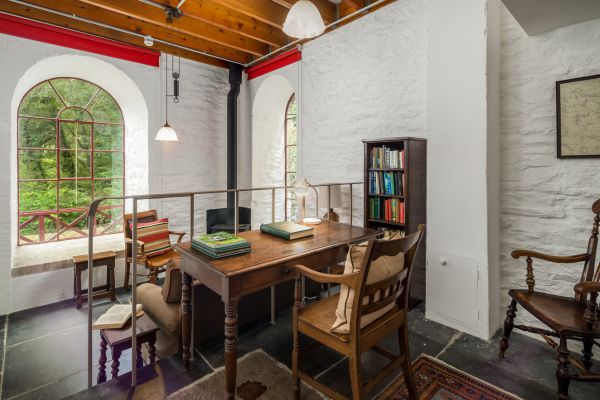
546 202
196 162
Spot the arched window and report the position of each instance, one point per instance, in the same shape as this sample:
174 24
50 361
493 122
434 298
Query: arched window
70 151
290 157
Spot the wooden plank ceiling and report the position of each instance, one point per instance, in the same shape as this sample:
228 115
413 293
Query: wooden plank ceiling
236 30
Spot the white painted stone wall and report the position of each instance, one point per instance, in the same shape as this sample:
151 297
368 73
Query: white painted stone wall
197 162
545 202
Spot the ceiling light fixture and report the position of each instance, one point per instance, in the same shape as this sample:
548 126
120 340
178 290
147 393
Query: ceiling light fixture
304 21
166 133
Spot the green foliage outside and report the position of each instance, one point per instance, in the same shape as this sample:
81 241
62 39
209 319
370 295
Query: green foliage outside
70 152
292 153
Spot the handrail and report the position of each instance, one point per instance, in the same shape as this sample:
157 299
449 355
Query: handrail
91 220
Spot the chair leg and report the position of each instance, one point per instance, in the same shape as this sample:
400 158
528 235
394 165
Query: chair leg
586 359
509 323
153 276
562 369
127 267
296 343
355 376
409 376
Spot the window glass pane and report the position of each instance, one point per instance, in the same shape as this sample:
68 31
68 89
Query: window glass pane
291 179
72 132
291 159
107 188
108 164
108 137
37 164
41 101
105 109
71 169
37 196
75 92
75 114
40 133
109 220
291 132
75 194
37 229
73 225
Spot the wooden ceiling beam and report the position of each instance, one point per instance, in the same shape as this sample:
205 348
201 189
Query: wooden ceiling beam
155 15
354 4
211 12
75 7
107 33
262 10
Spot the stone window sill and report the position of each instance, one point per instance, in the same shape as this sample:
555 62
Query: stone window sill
46 257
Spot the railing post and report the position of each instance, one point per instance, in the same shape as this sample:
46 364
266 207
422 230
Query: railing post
350 204
134 253
273 205
236 212
91 223
192 216
42 227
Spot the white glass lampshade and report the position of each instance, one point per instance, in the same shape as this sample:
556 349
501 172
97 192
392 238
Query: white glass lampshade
303 21
166 134
336 197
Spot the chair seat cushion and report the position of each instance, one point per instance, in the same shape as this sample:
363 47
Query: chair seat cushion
381 268
155 236
562 314
166 315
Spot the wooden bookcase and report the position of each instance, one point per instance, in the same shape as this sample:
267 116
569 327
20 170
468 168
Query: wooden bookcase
406 187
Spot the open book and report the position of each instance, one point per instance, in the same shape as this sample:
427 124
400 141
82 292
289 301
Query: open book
116 316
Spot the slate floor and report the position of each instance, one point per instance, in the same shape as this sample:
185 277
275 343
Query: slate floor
43 356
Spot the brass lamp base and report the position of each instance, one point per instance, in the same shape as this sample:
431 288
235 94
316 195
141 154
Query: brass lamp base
331 216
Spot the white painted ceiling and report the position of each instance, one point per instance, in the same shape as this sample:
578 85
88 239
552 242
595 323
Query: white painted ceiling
537 16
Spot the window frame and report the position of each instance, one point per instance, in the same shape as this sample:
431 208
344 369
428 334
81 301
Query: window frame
286 146
54 214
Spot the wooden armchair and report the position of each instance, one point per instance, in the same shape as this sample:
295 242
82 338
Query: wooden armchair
316 320
574 318
154 264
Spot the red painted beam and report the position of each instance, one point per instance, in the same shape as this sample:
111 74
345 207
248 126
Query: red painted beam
274 63
41 32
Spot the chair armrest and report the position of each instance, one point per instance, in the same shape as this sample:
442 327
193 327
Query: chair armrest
139 243
320 277
546 257
180 234
584 288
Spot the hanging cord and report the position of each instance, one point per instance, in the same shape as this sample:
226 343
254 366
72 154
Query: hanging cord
76 161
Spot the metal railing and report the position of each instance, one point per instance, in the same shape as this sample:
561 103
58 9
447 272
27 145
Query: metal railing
94 207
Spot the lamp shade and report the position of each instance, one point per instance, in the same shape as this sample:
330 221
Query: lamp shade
303 21
336 197
166 134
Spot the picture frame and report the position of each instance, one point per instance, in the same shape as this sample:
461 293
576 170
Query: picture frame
578 117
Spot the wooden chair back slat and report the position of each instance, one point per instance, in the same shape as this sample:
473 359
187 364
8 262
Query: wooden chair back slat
382 293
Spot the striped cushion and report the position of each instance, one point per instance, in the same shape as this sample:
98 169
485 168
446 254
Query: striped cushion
155 236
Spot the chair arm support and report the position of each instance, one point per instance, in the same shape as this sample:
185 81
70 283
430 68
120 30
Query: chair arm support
320 277
585 288
139 243
176 233
546 257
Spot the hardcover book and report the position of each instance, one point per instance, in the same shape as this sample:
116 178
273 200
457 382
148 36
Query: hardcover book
287 230
221 241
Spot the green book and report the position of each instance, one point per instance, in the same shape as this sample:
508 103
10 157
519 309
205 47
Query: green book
287 230
221 241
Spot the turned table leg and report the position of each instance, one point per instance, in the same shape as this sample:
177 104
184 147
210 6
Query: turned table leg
231 327
102 361
138 353
152 350
186 316
116 354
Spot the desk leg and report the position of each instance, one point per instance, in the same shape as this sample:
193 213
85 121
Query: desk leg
231 327
186 316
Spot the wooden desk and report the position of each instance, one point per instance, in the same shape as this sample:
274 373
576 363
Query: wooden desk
267 265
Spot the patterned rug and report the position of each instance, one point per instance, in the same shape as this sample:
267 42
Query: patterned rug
439 381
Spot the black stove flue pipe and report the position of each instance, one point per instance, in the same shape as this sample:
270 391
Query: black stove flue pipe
235 80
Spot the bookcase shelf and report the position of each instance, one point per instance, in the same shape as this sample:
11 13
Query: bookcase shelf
395 180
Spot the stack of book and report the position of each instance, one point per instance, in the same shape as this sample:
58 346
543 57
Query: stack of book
221 245
387 210
386 182
386 157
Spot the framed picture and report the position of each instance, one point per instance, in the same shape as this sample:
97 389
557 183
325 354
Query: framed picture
578 117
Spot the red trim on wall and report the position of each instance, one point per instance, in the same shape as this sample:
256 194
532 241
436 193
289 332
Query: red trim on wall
274 63
41 32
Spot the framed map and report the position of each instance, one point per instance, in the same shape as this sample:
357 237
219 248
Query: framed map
578 117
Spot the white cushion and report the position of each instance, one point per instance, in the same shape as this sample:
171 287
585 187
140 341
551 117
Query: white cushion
381 268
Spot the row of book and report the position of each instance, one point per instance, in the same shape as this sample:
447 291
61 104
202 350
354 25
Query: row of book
387 209
221 245
386 182
387 157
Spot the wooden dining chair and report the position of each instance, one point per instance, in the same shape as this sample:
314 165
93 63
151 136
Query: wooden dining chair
569 318
154 264
316 320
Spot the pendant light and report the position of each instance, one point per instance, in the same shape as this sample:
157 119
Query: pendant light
303 21
166 133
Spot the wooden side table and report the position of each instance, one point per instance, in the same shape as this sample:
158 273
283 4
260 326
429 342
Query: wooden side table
107 259
119 340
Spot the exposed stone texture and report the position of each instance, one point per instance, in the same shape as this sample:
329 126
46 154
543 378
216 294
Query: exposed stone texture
546 202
